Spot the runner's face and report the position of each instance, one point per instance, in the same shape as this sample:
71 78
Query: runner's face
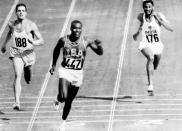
21 12
148 8
76 29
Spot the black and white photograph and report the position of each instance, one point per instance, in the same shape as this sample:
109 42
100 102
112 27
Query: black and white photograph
90 65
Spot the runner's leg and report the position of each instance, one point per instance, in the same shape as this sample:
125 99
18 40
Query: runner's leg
27 73
72 91
62 89
18 68
156 61
149 66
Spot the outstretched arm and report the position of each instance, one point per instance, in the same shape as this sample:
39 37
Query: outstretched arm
163 21
56 53
140 18
96 46
8 37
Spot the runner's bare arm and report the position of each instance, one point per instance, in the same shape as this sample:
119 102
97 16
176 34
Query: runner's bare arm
163 21
140 18
37 37
96 46
56 53
8 37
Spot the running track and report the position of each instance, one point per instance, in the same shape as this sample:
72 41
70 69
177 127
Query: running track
119 73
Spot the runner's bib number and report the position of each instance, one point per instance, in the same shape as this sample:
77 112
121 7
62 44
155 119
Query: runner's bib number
75 64
20 42
152 38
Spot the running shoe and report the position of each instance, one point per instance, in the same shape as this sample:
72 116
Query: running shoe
16 106
150 90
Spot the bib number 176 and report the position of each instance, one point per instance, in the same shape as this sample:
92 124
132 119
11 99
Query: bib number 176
152 38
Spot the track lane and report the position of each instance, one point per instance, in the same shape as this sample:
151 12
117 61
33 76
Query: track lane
167 80
135 110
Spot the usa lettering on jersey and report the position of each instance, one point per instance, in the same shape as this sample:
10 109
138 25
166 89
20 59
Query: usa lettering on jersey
73 58
76 53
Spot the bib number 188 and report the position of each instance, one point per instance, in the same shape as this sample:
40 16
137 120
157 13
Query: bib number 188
21 42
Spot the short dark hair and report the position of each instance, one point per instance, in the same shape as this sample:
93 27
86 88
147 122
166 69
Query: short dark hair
21 4
148 1
75 22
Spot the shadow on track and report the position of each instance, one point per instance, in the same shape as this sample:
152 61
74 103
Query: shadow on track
118 99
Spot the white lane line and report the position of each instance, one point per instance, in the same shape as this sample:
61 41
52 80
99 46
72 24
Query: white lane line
48 74
124 116
33 102
55 122
90 106
101 98
98 111
90 97
120 65
8 17
97 97
84 107
133 100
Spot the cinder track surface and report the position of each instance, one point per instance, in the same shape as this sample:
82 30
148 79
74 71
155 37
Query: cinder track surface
106 20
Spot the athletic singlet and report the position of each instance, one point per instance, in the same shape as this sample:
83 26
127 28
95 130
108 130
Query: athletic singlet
20 41
150 31
74 54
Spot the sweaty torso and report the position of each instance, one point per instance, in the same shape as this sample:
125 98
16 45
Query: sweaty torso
74 53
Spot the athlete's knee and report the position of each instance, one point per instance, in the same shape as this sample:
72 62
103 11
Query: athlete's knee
17 76
150 58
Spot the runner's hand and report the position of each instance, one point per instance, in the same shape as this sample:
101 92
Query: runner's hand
3 49
52 70
135 36
97 42
30 40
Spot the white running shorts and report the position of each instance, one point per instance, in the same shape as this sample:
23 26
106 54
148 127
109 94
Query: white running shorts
28 56
73 76
156 48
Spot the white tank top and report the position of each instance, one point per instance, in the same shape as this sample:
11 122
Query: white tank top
150 31
20 40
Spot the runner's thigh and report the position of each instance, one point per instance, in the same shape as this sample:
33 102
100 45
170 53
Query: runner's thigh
147 52
63 87
18 65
